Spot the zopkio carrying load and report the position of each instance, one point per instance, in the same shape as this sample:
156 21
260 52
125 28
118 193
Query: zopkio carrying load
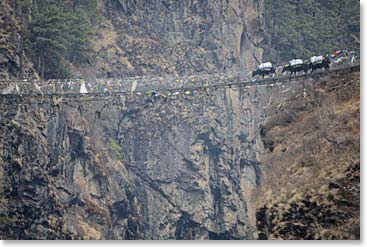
265 66
295 62
317 59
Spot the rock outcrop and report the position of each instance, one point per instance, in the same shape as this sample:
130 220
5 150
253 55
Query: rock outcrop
13 61
139 167
170 37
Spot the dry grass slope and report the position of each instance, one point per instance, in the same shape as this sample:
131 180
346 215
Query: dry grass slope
312 166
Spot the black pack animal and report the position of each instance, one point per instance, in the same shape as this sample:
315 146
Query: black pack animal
263 72
324 64
295 68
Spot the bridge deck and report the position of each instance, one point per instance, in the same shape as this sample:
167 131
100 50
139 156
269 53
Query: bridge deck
56 88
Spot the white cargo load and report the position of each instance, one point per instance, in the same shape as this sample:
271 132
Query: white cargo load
295 62
266 65
316 59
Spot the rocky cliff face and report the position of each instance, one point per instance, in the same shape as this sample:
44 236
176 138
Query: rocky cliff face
169 37
13 61
151 37
132 168
138 167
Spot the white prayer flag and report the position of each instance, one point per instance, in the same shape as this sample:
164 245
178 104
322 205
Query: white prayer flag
83 88
133 86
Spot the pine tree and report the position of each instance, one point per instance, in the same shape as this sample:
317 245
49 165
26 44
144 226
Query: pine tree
48 41
80 46
60 35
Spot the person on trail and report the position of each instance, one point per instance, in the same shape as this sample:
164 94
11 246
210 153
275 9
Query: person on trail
336 53
352 56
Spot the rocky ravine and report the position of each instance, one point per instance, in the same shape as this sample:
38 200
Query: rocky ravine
143 168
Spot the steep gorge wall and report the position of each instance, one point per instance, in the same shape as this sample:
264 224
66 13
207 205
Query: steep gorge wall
130 168
178 37
196 167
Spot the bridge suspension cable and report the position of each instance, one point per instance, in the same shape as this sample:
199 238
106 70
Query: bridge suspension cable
171 86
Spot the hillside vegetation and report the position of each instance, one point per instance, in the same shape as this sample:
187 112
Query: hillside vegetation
311 167
57 34
114 38
303 28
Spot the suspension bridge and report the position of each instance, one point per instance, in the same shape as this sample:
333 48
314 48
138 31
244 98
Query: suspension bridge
149 86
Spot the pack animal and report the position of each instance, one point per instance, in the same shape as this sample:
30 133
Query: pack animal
319 63
264 69
295 68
